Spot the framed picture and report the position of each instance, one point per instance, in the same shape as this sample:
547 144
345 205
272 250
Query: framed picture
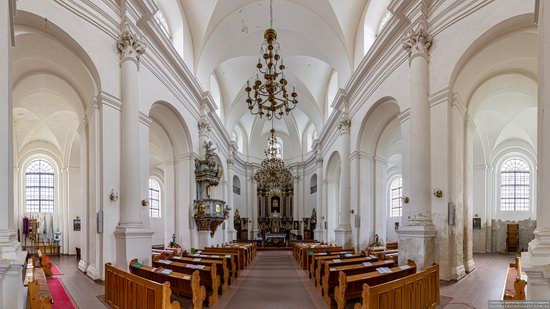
76 224
396 226
476 223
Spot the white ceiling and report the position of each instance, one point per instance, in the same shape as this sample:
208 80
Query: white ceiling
317 37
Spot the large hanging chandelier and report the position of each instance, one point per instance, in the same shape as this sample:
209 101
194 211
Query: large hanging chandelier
273 175
268 96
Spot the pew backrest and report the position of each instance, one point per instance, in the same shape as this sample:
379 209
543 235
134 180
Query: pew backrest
125 290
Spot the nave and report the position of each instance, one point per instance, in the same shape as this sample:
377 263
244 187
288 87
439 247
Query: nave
275 280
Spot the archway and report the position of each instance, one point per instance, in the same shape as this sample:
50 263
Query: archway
333 195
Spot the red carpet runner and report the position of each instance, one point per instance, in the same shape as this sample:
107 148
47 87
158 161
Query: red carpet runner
61 298
56 271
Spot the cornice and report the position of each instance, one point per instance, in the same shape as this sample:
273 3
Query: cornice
454 13
441 96
404 115
94 15
145 119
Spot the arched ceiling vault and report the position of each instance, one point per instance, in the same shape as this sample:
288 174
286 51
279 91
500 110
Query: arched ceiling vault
317 37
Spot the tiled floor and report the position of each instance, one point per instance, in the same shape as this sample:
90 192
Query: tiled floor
274 280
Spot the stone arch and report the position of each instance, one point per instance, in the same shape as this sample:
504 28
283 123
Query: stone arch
333 193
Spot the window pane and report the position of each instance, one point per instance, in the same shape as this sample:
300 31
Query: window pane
154 198
396 193
515 185
39 186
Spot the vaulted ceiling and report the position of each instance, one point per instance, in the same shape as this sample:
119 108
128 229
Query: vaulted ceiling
317 37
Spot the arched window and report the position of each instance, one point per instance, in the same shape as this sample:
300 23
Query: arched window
161 21
39 186
514 185
154 198
396 194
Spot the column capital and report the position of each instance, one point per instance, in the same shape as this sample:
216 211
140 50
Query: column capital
418 42
129 46
344 123
319 161
204 125
230 162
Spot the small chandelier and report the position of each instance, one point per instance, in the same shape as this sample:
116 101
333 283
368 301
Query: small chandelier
273 176
269 97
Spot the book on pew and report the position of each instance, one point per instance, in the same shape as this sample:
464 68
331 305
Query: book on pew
158 269
367 264
337 260
322 253
137 265
228 256
404 267
196 259
383 270
164 262
166 272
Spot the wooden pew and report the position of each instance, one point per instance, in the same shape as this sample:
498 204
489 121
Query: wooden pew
38 293
248 250
325 265
417 291
240 254
252 246
318 264
230 262
305 257
316 257
180 284
44 262
350 287
330 278
515 290
209 278
221 266
125 290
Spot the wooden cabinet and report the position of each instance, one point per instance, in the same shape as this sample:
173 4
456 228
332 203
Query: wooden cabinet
512 238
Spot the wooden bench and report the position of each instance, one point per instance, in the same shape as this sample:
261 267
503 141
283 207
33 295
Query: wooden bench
516 280
326 264
316 257
38 293
331 274
250 252
417 291
350 287
230 263
125 290
180 284
44 262
297 246
221 267
305 257
209 277
239 254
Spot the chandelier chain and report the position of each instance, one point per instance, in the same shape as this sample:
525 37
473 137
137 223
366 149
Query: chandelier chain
271 14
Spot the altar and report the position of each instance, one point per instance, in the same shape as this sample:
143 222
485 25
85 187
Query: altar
275 240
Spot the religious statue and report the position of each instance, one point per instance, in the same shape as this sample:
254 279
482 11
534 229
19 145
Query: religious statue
376 242
313 220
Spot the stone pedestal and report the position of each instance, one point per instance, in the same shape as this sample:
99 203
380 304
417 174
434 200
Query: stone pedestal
417 242
342 237
11 291
132 243
205 240
318 234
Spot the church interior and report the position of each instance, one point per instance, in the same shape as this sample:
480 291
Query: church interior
296 154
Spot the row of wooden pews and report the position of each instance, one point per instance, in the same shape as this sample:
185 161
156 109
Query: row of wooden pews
201 276
38 292
516 280
341 275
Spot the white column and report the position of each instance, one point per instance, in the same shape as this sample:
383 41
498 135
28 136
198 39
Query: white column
231 233
295 203
11 256
318 232
417 235
343 232
469 128
133 239
536 261
184 200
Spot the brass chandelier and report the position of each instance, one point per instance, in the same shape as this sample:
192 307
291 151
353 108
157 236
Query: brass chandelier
273 175
269 97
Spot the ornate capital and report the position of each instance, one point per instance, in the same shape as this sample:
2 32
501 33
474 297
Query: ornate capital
417 42
344 123
204 126
129 45
230 162
319 160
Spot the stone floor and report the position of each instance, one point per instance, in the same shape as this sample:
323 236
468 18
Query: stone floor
275 280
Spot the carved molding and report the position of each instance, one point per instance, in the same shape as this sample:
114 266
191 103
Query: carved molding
204 126
344 123
129 46
417 42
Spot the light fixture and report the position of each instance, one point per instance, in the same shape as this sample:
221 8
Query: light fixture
273 176
268 96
